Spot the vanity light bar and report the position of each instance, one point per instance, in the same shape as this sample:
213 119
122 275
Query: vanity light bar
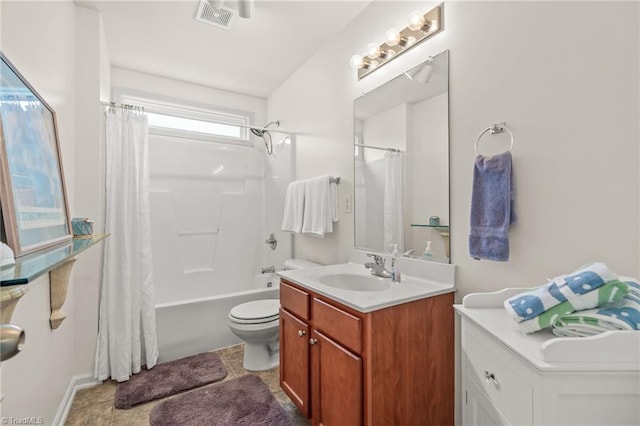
420 28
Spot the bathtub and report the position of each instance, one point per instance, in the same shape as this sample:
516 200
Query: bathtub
193 326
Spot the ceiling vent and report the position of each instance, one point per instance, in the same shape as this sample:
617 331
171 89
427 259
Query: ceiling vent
221 17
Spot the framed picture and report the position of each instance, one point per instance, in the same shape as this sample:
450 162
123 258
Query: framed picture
35 212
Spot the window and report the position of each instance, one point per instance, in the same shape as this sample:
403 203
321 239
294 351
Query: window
164 121
187 121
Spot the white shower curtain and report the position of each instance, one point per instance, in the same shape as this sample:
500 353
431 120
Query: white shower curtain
127 325
393 221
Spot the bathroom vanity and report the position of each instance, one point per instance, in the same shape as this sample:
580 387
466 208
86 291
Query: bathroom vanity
367 357
539 379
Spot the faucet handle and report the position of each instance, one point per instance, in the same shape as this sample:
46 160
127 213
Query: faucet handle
377 259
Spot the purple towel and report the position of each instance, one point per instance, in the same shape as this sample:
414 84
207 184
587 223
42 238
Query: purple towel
492 207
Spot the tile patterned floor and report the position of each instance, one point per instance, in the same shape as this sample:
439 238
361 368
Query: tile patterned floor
95 406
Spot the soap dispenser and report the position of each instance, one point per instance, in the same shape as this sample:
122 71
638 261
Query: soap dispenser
428 254
395 274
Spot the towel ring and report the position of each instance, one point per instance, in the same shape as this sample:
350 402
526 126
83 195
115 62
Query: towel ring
496 128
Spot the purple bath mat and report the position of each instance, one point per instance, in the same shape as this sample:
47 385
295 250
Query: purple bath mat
170 378
242 401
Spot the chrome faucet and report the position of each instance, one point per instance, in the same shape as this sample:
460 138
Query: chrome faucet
377 266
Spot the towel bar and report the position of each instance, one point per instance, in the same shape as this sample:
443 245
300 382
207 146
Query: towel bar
496 128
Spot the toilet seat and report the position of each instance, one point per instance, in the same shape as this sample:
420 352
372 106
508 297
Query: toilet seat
256 312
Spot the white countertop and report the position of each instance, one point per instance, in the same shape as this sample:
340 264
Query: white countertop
409 289
610 351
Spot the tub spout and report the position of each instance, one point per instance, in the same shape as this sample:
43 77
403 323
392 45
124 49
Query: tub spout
269 270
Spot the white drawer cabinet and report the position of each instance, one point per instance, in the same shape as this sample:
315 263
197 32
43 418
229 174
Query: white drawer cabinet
509 378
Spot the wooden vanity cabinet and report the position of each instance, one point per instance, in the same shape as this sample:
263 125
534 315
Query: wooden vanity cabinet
393 366
294 350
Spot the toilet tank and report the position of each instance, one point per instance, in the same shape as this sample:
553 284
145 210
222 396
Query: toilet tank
290 264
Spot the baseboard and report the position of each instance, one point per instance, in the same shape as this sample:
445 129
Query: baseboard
76 383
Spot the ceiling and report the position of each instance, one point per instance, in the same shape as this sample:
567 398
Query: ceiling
253 57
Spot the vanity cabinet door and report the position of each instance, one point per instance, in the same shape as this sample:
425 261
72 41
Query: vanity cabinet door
478 409
294 360
337 383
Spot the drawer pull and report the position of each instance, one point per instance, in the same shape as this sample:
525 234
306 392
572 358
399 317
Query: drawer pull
301 333
490 377
313 341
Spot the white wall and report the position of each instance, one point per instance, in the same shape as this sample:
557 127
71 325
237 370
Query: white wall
387 129
569 95
92 85
170 89
39 39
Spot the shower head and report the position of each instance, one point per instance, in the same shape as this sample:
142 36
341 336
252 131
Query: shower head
264 134
260 132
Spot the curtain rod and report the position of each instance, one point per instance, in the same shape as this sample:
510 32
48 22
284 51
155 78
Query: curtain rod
113 105
377 147
123 106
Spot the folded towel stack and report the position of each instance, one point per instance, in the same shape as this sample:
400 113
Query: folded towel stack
589 287
311 206
624 315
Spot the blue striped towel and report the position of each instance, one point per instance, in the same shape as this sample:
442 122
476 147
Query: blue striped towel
624 315
571 288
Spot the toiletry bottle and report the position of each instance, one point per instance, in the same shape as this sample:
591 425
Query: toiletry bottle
428 254
395 274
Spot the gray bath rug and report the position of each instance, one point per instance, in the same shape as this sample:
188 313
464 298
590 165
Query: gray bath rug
170 378
242 401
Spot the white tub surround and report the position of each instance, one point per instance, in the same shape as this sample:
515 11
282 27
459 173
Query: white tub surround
353 285
213 205
192 326
539 379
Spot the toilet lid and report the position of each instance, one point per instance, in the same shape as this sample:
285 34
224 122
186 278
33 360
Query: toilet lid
258 311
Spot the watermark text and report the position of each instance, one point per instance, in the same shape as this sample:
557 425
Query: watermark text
28 420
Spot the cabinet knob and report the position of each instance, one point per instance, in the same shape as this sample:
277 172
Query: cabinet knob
313 341
301 333
491 378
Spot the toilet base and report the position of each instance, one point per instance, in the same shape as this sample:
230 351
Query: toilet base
261 357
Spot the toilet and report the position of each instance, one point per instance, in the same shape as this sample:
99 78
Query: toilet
257 324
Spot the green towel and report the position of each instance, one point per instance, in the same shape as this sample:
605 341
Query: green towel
624 316
610 292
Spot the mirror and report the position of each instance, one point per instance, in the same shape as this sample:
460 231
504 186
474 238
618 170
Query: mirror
401 160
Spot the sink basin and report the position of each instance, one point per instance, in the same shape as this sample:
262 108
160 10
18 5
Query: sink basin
354 282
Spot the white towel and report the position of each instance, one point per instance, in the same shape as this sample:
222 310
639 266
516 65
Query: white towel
320 206
294 207
333 200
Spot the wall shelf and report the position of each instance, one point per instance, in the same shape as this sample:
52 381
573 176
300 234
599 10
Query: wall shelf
443 230
58 260
438 227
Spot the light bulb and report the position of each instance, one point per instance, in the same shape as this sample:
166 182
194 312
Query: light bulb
410 41
357 61
392 37
373 51
416 20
